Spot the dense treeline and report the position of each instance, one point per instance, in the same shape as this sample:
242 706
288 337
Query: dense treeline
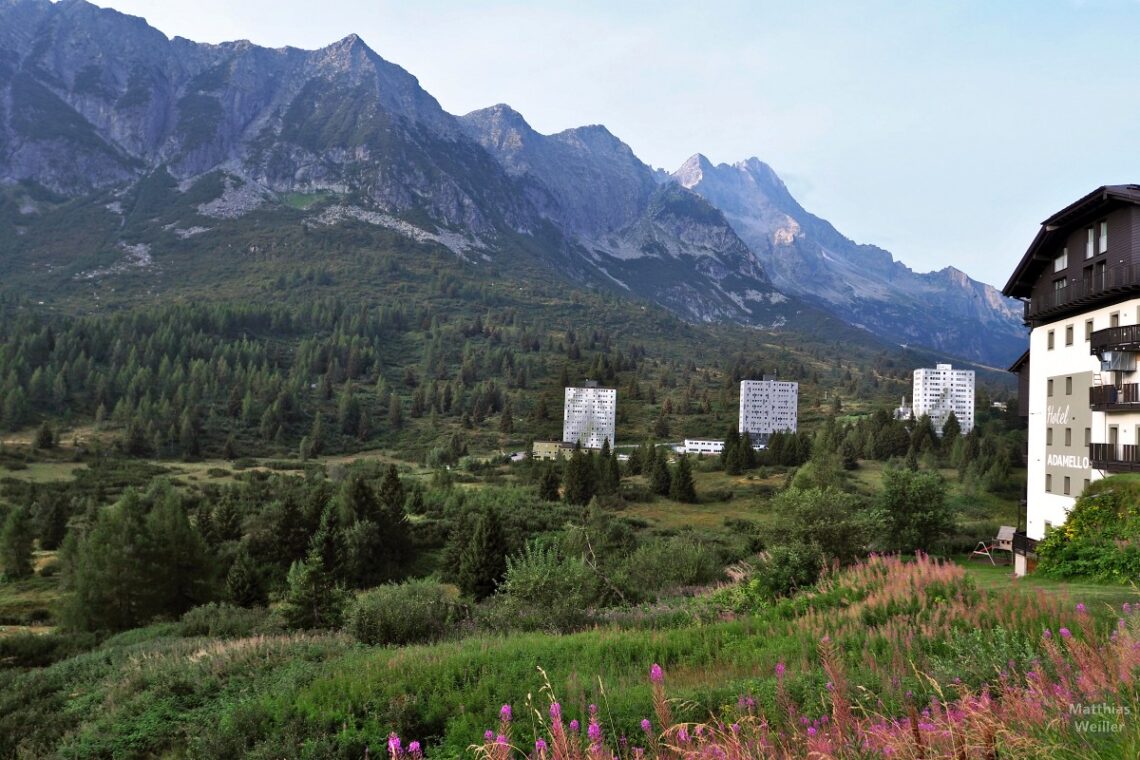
194 379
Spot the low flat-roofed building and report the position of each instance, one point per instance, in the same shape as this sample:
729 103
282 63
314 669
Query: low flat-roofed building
552 449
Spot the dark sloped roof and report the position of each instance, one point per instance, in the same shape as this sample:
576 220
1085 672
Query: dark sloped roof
1022 360
1058 226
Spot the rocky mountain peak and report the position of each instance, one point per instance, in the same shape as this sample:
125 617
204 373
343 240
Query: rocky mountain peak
690 173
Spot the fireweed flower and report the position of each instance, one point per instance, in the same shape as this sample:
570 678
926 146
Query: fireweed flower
646 726
489 735
1048 634
1081 607
594 732
394 747
540 746
682 735
655 674
575 725
780 668
555 711
414 749
501 740
1065 634
505 713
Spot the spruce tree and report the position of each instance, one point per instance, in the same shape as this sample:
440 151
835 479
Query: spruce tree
392 493
681 487
747 452
45 437
549 483
659 478
244 585
328 544
52 513
181 563
110 570
312 598
730 455
578 479
483 557
951 429
17 539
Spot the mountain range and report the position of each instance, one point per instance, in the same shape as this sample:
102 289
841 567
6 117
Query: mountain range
153 144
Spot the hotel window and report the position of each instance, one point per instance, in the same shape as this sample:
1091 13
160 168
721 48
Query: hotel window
1048 482
1048 436
1060 284
1061 262
1114 319
1090 234
1086 485
1068 335
1068 436
1067 489
1088 330
1068 386
1049 388
1050 340
1088 436
1103 237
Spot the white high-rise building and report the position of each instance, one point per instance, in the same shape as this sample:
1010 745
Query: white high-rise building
768 406
942 390
588 417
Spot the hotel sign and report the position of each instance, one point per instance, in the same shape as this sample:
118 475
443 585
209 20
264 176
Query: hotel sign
1068 416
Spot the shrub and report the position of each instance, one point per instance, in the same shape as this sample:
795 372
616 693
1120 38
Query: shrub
30 650
223 621
788 568
407 613
549 591
668 563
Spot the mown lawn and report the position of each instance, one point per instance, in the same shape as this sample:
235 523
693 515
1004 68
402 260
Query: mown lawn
991 578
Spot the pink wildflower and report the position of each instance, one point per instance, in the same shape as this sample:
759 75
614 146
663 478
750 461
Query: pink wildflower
655 674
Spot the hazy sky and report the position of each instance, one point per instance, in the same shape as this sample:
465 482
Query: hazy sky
941 131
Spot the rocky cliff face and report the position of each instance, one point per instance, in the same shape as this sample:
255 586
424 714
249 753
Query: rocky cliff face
98 105
806 256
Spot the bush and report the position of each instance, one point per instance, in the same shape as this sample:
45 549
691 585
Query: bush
30 650
789 568
668 563
547 591
223 621
414 612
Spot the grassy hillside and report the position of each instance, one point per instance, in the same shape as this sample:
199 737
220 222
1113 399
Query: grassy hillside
897 637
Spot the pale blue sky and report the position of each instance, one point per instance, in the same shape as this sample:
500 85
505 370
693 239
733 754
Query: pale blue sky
941 131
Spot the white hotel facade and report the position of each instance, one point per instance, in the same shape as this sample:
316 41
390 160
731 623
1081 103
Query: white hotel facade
589 415
1079 385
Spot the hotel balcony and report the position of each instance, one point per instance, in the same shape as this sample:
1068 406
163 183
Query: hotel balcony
1078 293
1124 339
1110 398
1114 457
